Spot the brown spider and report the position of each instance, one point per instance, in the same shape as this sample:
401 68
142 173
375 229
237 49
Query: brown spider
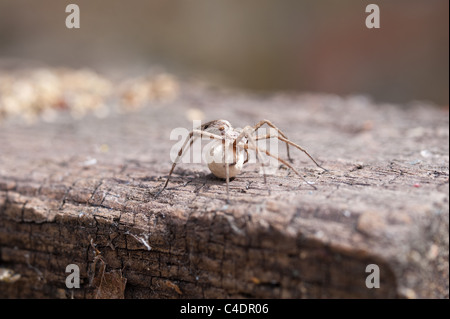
226 157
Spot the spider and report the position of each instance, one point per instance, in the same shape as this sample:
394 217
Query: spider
226 156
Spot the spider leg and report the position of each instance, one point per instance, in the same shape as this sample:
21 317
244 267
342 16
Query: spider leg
280 160
225 144
195 134
281 138
251 139
269 123
246 153
227 172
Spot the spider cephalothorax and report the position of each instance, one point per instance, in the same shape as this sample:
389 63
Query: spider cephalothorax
227 154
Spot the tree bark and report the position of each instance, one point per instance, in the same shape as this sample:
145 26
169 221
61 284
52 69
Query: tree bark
83 192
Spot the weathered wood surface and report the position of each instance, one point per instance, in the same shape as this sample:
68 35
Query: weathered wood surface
70 186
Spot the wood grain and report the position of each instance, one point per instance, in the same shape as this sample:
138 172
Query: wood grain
72 185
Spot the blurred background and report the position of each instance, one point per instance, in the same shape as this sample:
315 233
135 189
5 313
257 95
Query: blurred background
258 45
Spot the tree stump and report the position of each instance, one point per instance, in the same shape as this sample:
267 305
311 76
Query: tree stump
83 191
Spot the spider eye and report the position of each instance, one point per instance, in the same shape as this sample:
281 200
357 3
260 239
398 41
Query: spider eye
222 128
